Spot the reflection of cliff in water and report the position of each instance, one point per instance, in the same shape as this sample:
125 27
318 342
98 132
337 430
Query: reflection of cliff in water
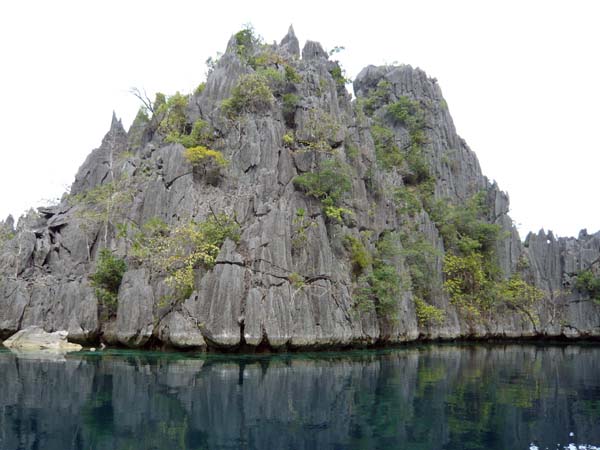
438 397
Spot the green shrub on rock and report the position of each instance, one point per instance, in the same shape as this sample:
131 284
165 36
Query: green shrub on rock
106 280
428 314
251 94
178 251
200 157
588 283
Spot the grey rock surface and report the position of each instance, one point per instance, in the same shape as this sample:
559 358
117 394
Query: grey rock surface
288 283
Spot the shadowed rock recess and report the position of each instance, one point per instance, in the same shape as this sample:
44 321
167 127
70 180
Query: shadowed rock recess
271 211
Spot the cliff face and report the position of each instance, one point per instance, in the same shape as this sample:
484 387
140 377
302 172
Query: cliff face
294 278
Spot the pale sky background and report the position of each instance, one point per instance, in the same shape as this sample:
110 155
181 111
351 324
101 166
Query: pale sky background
521 79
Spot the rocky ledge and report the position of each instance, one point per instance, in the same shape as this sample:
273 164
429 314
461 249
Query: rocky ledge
269 210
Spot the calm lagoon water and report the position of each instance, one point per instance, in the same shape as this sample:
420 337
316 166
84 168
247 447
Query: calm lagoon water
451 397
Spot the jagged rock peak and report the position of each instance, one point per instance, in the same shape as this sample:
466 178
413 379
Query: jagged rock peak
290 43
116 125
10 222
232 45
313 50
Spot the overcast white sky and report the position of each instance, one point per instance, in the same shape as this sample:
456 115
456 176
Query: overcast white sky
521 79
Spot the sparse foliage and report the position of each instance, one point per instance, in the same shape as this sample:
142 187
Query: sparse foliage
106 280
251 94
178 251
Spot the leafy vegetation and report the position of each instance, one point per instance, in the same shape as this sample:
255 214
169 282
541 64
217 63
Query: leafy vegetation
200 88
202 157
380 288
290 104
465 229
300 227
288 139
330 183
408 113
387 151
322 131
339 75
428 315
106 280
170 113
102 204
178 251
291 75
246 40
359 255
200 134
377 97
420 256
588 283
275 79
251 94
473 277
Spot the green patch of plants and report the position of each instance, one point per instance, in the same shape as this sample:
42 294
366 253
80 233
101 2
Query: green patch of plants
200 88
418 167
330 183
331 180
102 204
296 280
335 213
588 283
246 40
377 97
251 94
352 151
290 104
201 157
266 56
171 114
322 130
106 280
380 288
465 229
360 257
178 251
301 224
406 112
407 201
473 277
200 134
428 315
339 76
291 75
517 293
386 150
288 139
420 256
468 282
275 78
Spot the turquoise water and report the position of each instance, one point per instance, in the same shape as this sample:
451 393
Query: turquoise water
447 397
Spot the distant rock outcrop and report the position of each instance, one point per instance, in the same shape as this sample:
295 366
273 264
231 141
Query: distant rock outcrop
347 215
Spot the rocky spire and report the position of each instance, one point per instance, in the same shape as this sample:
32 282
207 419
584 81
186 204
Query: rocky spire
116 126
313 50
10 222
290 43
